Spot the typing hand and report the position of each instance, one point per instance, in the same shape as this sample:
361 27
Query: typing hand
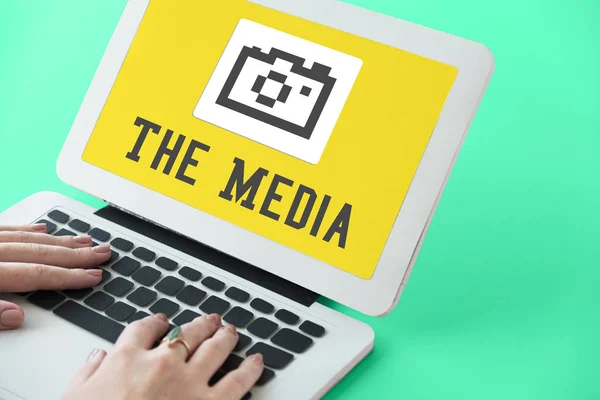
134 370
32 260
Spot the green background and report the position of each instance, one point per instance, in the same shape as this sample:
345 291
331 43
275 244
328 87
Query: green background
504 300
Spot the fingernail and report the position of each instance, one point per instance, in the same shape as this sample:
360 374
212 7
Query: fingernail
11 318
93 354
94 272
231 329
216 318
161 316
257 358
105 248
83 239
38 227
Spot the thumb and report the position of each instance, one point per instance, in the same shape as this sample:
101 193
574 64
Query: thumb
11 316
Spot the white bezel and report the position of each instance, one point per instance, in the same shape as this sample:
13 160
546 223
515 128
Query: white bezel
376 296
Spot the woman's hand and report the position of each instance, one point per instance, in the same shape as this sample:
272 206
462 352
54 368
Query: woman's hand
136 371
32 260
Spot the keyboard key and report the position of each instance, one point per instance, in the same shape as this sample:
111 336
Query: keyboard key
65 232
191 295
144 254
169 286
126 266
146 276
166 263
287 317
237 294
99 301
243 342
262 306
312 329
99 234
118 287
190 274
79 225
50 227
89 320
220 375
262 327
78 294
214 305
46 299
213 284
185 317
120 311
273 357
122 244
137 316
105 276
232 362
164 306
238 317
113 257
58 216
142 296
216 378
265 377
292 340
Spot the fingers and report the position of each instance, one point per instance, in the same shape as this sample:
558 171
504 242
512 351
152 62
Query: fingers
54 255
144 332
214 351
237 383
40 228
73 242
19 277
11 316
194 333
91 365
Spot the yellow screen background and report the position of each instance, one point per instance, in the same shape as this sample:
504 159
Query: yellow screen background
369 161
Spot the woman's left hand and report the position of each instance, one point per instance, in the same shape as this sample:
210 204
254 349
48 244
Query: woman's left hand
32 260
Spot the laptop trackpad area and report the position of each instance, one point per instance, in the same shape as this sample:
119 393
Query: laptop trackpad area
39 360
6 394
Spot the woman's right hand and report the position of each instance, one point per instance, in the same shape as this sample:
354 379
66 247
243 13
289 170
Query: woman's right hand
134 370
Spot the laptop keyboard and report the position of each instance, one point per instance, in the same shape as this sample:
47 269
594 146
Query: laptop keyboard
138 281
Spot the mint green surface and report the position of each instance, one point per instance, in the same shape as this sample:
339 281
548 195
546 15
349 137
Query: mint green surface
504 302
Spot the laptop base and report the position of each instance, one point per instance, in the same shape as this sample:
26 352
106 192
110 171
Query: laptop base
48 349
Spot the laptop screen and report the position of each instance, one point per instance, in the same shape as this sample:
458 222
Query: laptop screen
298 132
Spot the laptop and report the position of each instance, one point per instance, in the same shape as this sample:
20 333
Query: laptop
254 157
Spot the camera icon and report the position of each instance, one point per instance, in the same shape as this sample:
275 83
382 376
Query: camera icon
292 101
279 90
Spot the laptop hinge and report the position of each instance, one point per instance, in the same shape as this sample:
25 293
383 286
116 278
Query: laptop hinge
208 254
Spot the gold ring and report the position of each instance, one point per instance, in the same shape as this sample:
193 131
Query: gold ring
176 336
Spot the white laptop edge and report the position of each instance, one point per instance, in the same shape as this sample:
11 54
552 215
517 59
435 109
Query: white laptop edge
376 296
